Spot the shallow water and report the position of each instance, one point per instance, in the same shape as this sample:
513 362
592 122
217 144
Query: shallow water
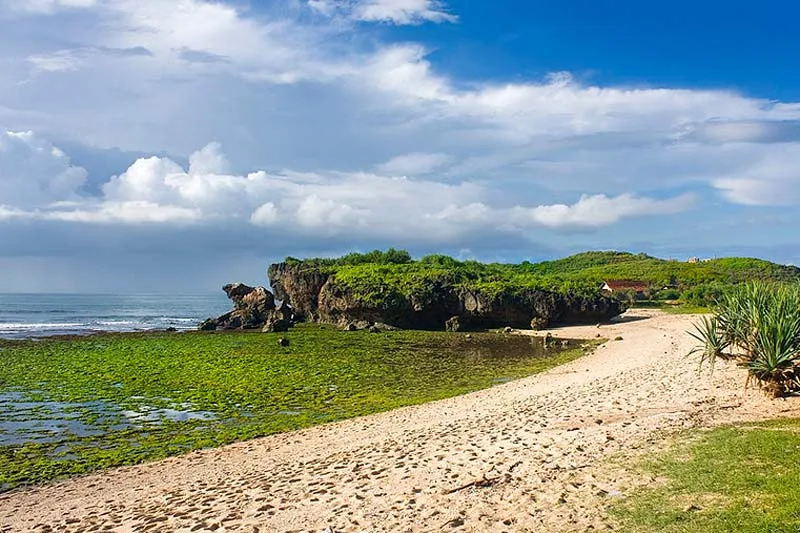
24 419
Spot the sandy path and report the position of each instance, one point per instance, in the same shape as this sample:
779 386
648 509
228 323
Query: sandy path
539 441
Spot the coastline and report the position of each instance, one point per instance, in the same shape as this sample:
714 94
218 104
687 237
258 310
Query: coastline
538 443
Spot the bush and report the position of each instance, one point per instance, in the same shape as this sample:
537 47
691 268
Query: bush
760 323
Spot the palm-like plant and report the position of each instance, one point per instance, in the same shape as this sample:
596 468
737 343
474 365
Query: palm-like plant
762 321
712 341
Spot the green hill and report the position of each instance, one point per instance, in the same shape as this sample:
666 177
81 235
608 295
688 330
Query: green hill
394 271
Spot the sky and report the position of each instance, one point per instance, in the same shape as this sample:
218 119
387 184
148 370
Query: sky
177 145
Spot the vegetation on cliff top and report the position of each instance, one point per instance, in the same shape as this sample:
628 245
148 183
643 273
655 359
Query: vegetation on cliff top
377 275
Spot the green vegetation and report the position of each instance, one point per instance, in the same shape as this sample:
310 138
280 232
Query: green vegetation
72 405
758 324
380 276
741 479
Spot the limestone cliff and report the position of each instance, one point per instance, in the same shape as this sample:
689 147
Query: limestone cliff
316 295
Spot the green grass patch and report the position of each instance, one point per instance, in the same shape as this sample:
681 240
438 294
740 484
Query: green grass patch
731 479
686 309
115 399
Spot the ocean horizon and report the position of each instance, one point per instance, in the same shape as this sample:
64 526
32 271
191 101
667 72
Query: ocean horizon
34 315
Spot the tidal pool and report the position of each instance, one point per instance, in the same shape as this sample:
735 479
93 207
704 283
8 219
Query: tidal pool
71 405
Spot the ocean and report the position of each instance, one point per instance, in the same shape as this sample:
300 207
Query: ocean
41 315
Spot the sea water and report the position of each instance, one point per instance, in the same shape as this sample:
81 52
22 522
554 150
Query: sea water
40 315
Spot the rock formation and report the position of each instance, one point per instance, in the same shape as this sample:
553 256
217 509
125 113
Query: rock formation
254 308
315 295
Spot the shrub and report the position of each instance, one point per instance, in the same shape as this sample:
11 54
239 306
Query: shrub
761 322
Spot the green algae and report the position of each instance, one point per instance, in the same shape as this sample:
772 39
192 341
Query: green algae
118 399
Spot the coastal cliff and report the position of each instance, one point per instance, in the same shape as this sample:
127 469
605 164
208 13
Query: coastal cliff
321 294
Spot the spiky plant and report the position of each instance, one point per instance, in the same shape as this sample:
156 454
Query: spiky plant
761 322
712 341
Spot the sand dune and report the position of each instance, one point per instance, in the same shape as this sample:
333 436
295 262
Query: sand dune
524 455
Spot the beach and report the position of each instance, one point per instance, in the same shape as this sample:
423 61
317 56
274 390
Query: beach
540 454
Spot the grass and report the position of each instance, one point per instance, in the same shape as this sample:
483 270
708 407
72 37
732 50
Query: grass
676 307
731 479
110 395
686 309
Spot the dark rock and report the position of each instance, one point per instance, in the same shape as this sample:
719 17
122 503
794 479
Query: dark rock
171 329
209 324
508 329
538 323
253 308
279 319
283 341
350 327
374 329
452 324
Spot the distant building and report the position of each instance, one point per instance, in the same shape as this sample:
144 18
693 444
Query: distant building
693 260
624 285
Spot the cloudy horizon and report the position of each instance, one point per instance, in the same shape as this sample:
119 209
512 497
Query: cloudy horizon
176 145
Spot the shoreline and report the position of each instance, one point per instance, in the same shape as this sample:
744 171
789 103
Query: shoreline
537 443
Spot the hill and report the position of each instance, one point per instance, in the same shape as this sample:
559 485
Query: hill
377 275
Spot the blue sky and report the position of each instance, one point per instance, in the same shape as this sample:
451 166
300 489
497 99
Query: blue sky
176 145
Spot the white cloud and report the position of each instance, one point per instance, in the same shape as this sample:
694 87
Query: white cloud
44 6
265 215
60 61
413 164
770 177
8 213
135 212
209 160
600 210
399 12
33 171
157 190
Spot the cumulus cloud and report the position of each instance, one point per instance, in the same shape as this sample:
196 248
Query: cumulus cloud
157 190
34 172
600 210
399 12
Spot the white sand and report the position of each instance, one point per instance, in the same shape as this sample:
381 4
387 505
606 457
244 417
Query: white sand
541 442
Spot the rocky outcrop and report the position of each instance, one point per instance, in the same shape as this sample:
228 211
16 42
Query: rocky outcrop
253 308
318 297
298 285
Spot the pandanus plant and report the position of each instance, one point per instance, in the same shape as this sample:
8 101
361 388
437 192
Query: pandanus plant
758 324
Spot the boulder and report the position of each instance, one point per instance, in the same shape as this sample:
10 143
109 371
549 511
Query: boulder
279 319
209 324
253 308
452 324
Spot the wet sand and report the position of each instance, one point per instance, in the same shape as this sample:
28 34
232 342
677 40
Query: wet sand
527 455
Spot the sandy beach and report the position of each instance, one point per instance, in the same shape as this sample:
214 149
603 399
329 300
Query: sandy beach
534 454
